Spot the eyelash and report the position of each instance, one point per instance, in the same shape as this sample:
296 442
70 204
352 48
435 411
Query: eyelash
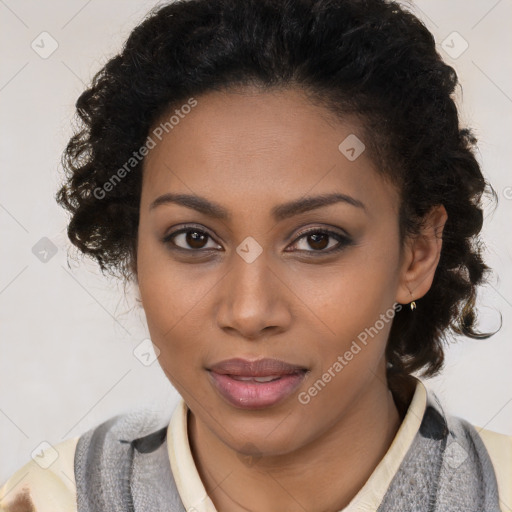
343 240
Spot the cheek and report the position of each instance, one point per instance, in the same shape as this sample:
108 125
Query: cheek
350 296
175 304
353 316
167 291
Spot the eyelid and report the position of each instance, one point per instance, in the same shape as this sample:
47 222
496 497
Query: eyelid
343 239
316 229
183 228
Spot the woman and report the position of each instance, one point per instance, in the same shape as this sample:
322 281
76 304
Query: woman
288 185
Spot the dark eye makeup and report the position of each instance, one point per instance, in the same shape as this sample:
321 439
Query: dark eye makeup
317 238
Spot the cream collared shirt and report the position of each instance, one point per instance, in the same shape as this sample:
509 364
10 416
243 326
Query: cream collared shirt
54 489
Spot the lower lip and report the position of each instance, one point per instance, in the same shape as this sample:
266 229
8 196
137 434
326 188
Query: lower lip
255 395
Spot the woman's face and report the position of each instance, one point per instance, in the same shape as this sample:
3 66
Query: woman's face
244 262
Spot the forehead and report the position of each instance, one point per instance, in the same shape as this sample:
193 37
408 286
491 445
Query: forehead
261 146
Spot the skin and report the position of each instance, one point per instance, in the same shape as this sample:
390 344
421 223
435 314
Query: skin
250 151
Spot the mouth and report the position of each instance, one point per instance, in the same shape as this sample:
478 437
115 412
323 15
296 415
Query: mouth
255 384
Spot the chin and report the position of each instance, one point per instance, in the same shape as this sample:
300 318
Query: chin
252 436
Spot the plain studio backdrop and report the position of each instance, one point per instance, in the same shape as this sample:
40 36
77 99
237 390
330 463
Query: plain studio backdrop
72 347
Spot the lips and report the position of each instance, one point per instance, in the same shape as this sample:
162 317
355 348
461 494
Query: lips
259 368
255 384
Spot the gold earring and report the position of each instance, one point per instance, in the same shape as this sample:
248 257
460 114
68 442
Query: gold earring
413 305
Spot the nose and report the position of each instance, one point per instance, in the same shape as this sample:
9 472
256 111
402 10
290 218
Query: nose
252 300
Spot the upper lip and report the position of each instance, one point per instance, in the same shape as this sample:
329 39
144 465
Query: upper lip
259 368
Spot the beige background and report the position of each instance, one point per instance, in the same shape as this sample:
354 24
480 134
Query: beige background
68 335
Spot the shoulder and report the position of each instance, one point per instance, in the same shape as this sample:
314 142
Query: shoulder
499 447
48 482
44 484
491 452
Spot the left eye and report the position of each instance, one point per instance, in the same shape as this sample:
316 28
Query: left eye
318 240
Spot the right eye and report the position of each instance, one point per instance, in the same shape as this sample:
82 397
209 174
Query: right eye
189 239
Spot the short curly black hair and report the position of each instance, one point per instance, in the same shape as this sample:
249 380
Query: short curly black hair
372 59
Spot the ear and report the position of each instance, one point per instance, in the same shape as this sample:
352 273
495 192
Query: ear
420 257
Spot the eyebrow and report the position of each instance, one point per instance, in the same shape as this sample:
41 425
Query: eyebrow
279 212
